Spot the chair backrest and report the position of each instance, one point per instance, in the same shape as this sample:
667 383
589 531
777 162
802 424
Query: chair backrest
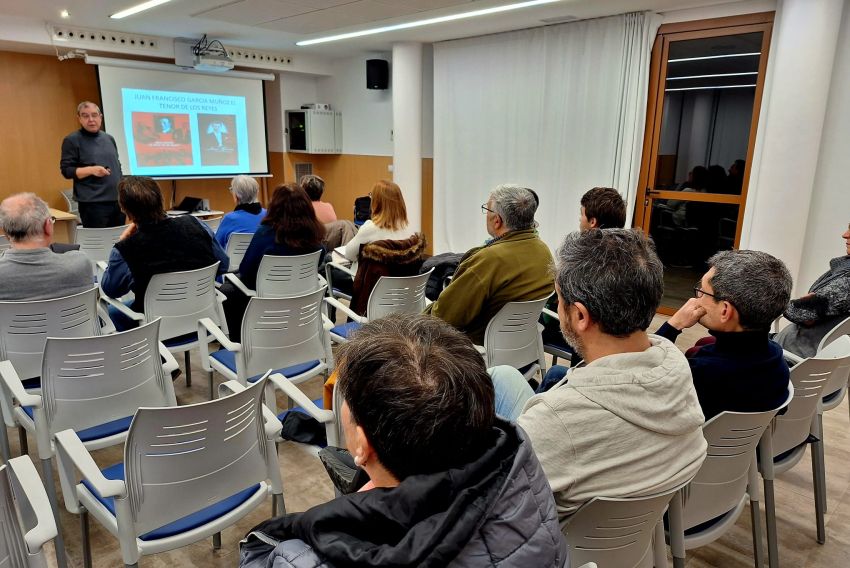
512 337
237 244
25 326
397 294
73 206
212 223
286 276
181 299
97 243
88 381
721 482
4 243
179 460
809 377
281 332
843 328
21 510
615 532
839 348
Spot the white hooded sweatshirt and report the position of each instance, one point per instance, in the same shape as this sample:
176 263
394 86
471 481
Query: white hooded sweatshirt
625 425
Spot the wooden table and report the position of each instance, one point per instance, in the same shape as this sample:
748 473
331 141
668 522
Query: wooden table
65 226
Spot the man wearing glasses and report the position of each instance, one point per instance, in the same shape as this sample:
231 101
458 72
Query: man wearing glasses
738 368
29 270
90 159
512 267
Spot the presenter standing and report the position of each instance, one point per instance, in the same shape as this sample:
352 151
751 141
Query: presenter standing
90 158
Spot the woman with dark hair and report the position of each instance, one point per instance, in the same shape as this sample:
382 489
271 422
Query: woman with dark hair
289 228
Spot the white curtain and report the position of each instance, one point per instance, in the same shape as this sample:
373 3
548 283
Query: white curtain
559 109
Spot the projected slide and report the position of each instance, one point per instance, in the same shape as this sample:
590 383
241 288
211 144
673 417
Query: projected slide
185 133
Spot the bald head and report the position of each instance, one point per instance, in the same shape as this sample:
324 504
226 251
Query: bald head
23 217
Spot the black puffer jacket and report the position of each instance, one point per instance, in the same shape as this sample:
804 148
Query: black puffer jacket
496 511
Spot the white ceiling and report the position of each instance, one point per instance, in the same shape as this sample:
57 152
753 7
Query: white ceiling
277 24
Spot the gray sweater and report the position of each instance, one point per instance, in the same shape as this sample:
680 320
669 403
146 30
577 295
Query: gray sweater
41 274
81 149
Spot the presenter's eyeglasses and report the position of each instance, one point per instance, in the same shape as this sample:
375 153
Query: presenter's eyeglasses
87 115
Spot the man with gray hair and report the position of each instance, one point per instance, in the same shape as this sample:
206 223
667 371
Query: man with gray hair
30 270
739 368
247 213
513 266
628 422
90 159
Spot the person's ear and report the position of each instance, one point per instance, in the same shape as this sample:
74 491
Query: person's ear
593 223
580 317
363 452
48 227
727 312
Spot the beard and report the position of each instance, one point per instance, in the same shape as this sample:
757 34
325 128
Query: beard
571 337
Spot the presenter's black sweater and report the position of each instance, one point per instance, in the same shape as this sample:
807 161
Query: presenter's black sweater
740 372
80 149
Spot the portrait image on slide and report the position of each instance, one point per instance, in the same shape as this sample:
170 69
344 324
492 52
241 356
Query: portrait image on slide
162 139
219 139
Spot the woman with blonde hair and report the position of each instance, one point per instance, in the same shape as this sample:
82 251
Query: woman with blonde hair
388 222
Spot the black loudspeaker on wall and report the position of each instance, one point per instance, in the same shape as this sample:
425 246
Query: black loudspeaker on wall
377 74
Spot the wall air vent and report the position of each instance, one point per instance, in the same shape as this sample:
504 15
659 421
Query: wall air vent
110 41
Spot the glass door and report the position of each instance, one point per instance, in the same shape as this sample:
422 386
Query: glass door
705 94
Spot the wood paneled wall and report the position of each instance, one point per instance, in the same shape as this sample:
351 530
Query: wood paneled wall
40 95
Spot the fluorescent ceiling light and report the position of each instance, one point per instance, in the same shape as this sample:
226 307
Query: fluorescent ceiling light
428 22
715 75
137 8
713 57
704 88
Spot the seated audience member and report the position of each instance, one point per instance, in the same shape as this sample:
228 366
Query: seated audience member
450 484
246 216
388 222
289 228
737 299
628 421
512 267
152 244
601 208
824 307
315 187
29 270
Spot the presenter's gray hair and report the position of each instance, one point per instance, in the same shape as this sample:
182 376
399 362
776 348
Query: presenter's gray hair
85 104
245 188
615 274
516 206
756 283
22 216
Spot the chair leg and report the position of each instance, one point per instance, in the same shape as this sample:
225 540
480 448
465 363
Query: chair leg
212 386
50 485
22 438
4 443
770 519
278 506
675 516
188 369
758 544
217 541
822 461
84 532
659 546
820 489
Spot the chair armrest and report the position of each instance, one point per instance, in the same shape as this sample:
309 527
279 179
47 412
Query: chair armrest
170 363
551 314
792 357
345 309
73 455
24 474
106 325
272 424
235 280
206 324
342 267
283 384
121 307
13 385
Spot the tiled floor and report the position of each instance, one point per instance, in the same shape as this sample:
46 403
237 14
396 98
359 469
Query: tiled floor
305 485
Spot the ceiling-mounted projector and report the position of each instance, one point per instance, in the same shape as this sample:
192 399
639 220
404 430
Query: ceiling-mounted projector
213 62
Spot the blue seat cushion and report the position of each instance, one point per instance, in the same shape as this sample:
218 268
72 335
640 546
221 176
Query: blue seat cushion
346 329
181 340
95 432
228 359
187 523
320 402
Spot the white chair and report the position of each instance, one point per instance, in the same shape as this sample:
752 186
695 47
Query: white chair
619 533
237 244
329 417
284 276
284 334
212 223
96 244
24 329
71 202
711 503
347 270
784 443
26 521
188 473
513 338
92 385
391 295
180 299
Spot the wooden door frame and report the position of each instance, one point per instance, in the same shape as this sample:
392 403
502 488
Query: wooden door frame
733 25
